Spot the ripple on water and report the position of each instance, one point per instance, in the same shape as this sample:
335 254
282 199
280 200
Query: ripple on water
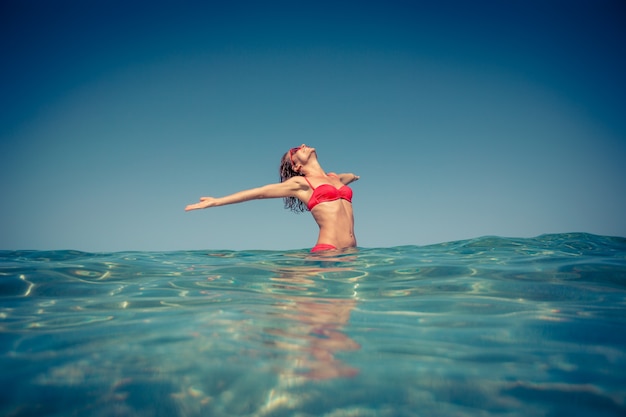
522 327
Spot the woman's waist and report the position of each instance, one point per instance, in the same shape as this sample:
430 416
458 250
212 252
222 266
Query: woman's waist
339 240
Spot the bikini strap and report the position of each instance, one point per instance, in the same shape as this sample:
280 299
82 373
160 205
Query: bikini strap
310 185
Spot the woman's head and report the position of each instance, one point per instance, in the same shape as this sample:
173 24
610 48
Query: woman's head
286 170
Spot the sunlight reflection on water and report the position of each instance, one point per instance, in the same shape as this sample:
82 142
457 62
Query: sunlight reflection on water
486 326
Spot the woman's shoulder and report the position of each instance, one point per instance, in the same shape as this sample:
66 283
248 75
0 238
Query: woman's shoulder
298 181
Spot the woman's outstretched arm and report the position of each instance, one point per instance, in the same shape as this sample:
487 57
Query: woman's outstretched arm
347 178
288 188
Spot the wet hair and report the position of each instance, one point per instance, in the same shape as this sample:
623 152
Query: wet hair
286 171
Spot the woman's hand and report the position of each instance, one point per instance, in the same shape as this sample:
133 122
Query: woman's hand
205 202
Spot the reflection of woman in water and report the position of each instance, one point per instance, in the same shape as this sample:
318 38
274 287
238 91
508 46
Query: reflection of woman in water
313 331
306 186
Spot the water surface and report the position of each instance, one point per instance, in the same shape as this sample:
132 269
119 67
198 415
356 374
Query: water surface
484 327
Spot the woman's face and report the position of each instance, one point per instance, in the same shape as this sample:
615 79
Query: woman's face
294 151
300 154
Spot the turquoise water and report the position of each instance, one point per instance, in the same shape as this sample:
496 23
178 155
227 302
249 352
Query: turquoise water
483 327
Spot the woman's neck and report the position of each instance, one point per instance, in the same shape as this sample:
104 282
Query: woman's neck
313 169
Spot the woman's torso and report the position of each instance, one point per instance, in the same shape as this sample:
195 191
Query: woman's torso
332 210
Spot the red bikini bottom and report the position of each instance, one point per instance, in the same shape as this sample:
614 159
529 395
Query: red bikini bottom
322 246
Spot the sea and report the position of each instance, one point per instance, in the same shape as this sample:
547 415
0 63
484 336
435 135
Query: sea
490 326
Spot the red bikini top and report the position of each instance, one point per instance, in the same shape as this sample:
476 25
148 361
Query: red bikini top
328 192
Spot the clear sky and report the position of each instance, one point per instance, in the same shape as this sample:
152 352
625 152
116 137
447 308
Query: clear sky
463 119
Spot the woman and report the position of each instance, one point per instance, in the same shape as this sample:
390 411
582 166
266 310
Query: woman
306 186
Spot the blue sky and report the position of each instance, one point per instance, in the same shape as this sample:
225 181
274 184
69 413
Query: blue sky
463 119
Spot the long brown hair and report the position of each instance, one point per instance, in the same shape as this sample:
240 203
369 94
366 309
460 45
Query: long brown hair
286 171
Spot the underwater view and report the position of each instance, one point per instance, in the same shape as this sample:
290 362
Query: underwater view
483 327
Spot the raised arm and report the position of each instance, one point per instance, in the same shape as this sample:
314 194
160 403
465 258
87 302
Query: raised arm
289 188
347 178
